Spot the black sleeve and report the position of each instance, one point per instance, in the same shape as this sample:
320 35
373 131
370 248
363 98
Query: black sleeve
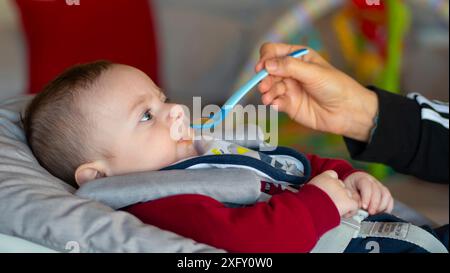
411 136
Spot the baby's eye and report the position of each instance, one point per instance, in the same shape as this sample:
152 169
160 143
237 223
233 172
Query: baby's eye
147 116
166 100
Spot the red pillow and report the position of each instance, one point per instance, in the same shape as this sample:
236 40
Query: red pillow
59 35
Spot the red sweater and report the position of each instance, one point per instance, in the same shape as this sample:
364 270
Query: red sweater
288 222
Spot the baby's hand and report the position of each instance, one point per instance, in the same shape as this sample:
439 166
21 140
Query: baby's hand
375 198
336 190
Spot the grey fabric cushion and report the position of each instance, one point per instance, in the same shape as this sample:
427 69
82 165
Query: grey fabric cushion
40 208
236 186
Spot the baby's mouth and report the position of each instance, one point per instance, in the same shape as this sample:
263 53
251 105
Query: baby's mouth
189 134
187 139
186 142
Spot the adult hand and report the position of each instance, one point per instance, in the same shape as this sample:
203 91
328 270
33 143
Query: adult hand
315 94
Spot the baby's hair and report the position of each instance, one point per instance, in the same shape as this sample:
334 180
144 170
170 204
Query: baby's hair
55 128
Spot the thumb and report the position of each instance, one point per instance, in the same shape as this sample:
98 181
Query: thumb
331 174
293 68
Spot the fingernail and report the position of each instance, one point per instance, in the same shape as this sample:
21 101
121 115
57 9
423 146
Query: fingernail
335 175
271 65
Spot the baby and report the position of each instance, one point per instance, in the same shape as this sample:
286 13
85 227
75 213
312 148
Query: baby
102 119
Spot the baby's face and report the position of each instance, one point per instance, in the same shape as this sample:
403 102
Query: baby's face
135 124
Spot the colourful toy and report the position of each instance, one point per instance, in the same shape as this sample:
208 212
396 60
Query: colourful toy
298 25
374 47
371 38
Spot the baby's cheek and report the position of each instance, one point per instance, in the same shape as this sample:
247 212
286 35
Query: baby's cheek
164 154
151 156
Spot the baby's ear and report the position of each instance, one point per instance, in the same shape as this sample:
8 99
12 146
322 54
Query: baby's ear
88 172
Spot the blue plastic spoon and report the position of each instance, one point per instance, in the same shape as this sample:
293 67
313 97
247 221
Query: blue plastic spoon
239 94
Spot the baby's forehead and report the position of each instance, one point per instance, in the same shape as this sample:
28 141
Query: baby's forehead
120 86
129 79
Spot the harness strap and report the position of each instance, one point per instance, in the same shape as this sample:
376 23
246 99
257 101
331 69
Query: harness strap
337 239
402 231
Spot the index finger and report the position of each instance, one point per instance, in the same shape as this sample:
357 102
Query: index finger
274 50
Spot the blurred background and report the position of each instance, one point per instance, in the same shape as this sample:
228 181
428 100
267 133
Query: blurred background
208 47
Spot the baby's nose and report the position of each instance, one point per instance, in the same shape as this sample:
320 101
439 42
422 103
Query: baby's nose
176 112
178 122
